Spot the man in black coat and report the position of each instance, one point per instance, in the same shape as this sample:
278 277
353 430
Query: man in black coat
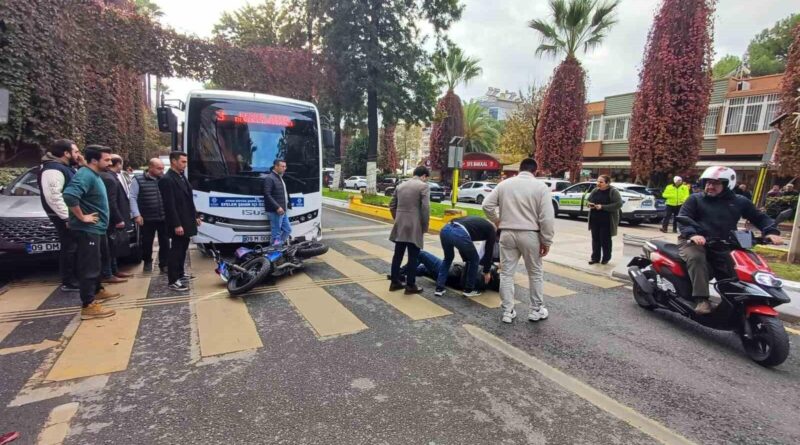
181 218
119 218
277 203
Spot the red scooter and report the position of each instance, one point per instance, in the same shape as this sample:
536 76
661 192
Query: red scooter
660 280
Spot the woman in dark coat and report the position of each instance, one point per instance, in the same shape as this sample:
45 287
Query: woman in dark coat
605 203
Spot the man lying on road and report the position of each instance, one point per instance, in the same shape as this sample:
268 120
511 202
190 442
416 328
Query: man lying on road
429 265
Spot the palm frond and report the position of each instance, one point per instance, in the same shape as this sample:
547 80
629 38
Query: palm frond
574 24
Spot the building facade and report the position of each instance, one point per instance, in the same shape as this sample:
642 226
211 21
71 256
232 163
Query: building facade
736 131
500 105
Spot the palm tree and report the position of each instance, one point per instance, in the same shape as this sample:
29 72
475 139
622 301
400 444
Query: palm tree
481 131
452 68
574 24
148 8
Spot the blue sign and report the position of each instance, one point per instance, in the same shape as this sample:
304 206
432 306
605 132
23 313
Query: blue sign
298 201
235 202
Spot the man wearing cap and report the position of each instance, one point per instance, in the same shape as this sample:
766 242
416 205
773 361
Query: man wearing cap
675 194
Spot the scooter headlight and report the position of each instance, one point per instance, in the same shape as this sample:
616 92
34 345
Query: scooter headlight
767 279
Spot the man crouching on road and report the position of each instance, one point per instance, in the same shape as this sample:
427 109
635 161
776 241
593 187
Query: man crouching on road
86 197
522 208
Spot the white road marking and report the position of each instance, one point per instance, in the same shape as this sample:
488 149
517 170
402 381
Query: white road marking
622 412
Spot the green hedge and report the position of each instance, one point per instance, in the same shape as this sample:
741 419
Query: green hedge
9 174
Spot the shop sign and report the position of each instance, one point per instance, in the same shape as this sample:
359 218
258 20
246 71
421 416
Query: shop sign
480 164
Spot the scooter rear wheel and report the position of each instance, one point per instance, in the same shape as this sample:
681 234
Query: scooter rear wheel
770 343
257 270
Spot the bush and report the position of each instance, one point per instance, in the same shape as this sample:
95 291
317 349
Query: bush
777 204
8 174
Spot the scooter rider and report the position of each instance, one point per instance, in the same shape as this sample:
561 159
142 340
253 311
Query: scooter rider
717 211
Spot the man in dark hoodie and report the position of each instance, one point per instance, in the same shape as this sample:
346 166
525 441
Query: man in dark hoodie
58 168
717 212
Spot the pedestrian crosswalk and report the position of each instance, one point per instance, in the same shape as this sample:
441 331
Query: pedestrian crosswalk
223 325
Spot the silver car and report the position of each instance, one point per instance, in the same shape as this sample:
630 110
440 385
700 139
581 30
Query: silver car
25 230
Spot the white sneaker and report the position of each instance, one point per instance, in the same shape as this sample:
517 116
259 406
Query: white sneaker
540 314
508 317
472 293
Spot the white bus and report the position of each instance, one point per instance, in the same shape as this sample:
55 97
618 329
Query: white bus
231 139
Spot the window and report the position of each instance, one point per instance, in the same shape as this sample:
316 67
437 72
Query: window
712 121
616 128
495 113
593 128
751 114
579 188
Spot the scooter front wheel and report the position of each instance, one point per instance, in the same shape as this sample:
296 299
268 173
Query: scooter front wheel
770 343
255 271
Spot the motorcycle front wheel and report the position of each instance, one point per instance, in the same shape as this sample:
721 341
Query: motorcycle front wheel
255 271
770 343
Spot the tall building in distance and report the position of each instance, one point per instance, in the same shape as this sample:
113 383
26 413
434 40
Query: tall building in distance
500 104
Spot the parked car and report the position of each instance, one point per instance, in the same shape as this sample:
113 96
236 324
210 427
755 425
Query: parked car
26 232
555 184
355 182
475 191
384 183
637 207
436 191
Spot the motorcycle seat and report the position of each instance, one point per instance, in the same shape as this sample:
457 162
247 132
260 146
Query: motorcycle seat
669 250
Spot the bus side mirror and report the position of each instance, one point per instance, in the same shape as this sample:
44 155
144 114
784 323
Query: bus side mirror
328 139
167 121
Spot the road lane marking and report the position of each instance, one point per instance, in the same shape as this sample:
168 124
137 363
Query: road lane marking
622 412
355 228
326 315
583 277
6 329
550 289
346 266
373 249
357 235
56 428
414 306
99 346
34 394
792 331
44 344
17 299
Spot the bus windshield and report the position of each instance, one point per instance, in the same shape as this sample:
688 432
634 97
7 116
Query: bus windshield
232 144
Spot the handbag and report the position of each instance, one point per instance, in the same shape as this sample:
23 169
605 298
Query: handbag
121 242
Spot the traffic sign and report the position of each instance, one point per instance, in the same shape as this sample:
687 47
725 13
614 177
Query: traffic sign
455 156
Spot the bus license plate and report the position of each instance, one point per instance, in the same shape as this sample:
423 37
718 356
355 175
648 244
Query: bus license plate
255 238
43 247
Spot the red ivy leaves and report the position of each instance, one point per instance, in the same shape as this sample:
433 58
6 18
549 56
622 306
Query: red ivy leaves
559 135
387 157
674 90
790 142
448 121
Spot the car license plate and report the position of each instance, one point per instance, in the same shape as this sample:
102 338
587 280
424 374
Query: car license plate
647 203
42 247
255 238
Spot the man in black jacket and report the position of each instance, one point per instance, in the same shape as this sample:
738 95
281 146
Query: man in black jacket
430 265
147 210
277 203
120 217
181 218
717 211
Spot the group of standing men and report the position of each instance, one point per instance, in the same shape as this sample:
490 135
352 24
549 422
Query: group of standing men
519 209
92 204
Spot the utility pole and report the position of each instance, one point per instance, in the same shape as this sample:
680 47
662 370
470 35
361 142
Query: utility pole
455 155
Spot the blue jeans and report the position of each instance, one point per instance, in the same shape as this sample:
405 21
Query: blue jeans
429 264
455 237
279 227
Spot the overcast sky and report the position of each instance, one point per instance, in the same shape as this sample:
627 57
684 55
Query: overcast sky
499 37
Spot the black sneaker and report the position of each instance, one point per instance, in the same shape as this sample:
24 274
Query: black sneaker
187 277
439 292
410 290
148 266
69 288
178 286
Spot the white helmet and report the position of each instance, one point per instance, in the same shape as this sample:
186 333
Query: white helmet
724 174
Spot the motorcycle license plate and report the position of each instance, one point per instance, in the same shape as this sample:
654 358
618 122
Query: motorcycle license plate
255 238
42 247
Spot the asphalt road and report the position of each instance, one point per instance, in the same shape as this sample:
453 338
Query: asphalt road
599 370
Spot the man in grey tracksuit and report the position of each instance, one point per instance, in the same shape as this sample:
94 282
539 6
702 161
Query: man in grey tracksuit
522 209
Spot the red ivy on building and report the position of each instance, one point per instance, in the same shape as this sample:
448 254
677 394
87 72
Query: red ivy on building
670 108
559 135
789 155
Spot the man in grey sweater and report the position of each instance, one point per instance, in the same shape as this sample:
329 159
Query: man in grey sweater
522 209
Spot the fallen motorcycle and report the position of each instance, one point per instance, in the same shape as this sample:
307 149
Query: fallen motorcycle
250 267
748 297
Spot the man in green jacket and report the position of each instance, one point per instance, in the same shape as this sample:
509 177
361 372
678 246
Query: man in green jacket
675 194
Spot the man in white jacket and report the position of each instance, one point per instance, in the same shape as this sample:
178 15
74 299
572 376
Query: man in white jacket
522 209
58 167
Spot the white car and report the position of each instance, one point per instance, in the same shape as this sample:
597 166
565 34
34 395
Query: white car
555 184
475 191
355 182
636 207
